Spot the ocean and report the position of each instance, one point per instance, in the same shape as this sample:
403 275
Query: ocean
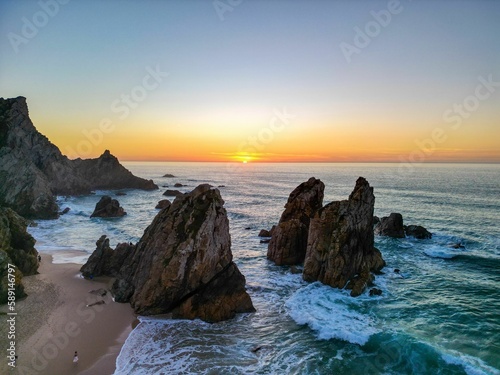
439 315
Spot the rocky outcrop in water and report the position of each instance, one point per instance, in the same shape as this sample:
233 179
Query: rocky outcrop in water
183 263
289 240
33 170
164 203
417 231
16 247
340 249
391 226
172 193
108 207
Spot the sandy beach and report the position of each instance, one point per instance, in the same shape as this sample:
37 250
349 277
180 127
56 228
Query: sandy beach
60 316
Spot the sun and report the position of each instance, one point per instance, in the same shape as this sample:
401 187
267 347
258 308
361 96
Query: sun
245 161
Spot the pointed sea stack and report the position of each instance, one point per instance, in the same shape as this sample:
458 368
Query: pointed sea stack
289 239
340 249
183 263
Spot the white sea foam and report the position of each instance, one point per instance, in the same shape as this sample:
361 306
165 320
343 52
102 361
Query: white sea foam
471 365
331 313
437 251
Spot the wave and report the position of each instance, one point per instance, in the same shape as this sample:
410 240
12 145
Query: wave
470 364
331 313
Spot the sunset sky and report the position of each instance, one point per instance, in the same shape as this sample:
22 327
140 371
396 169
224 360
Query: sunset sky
309 81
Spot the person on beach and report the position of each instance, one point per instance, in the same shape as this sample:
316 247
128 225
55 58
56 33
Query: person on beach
39 258
75 358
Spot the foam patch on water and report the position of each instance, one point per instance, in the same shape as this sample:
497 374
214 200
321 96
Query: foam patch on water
331 313
436 251
471 365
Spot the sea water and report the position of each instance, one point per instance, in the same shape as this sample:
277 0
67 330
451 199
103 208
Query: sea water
439 315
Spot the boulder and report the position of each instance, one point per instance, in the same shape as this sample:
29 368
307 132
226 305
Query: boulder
289 239
391 226
65 211
172 193
108 207
168 175
183 263
417 231
33 170
340 247
164 203
178 185
264 233
375 292
105 261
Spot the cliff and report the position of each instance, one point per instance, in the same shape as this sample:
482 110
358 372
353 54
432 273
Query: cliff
17 248
33 170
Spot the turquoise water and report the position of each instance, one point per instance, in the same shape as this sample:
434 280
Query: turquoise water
441 315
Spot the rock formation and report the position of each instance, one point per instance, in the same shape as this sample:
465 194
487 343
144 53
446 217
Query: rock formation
267 233
105 261
391 226
172 193
108 207
164 203
183 263
417 231
289 241
340 247
33 170
16 247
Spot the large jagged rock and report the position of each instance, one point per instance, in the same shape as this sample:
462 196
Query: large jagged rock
289 240
17 248
108 207
391 226
33 170
340 249
105 261
183 263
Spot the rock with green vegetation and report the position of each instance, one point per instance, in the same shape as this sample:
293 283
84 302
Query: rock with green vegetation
16 248
33 170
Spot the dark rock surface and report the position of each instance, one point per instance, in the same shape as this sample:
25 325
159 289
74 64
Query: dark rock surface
289 239
168 175
340 249
33 170
172 193
391 226
164 203
16 247
417 231
105 261
108 207
183 263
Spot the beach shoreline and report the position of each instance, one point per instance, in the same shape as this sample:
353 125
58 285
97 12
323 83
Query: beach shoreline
60 316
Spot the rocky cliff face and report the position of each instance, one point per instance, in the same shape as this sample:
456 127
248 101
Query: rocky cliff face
16 247
340 248
183 263
289 240
33 170
391 226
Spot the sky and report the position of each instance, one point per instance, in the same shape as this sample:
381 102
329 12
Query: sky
258 81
